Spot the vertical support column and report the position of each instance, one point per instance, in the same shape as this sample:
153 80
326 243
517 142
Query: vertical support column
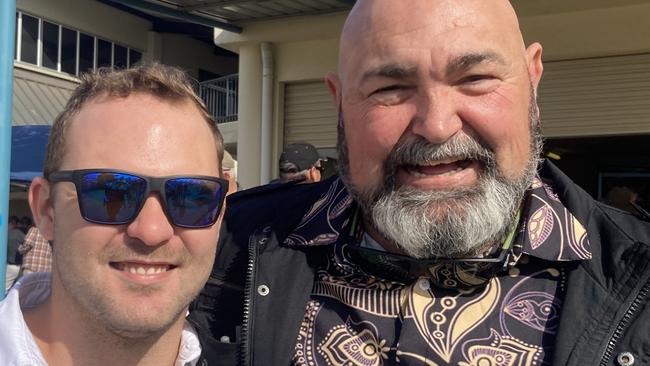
268 70
249 115
7 40
154 47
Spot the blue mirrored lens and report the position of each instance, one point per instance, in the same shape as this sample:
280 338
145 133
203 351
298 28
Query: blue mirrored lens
111 197
192 202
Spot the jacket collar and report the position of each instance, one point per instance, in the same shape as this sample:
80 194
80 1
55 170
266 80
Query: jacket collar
548 229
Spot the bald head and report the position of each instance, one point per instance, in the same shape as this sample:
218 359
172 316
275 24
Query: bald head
374 24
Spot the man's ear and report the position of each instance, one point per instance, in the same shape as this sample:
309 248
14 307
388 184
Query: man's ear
334 85
232 183
314 175
41 204
534 63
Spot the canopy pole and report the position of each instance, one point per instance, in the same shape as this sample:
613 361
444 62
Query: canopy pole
7 41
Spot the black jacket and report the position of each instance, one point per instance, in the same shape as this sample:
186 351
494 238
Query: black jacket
258 290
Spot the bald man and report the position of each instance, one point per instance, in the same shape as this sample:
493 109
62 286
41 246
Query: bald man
445 239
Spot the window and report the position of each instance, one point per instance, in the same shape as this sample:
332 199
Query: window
67 50
134 57
29 39
119 57
50 39
86 53
104 53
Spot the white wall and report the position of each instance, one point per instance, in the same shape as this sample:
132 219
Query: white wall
593 33
95 18
92 17
191 55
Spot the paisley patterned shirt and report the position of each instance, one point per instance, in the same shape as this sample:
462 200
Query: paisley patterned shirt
356 319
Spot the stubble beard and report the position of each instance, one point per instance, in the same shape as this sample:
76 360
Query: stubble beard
103 311
444 223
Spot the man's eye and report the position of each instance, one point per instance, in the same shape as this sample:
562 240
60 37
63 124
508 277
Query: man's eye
390 88
475 78
478 84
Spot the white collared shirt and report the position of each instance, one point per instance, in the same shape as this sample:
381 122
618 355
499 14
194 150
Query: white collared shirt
17 345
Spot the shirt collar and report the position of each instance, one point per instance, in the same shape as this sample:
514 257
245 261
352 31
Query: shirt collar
326 220
548 231
34 288
189 351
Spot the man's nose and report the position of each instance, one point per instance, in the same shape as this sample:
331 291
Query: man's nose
151 225
436 118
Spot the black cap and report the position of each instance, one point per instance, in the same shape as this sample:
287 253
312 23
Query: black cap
303 155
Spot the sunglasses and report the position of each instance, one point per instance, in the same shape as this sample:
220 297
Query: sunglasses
114 197
442 272
446 273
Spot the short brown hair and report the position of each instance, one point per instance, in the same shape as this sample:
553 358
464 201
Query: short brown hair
162 81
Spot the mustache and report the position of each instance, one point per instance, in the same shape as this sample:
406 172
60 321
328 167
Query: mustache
419 151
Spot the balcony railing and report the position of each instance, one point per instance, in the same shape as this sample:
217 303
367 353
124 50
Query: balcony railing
220 96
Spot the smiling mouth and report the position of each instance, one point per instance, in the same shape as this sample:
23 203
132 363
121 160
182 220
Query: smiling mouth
442 167
142 269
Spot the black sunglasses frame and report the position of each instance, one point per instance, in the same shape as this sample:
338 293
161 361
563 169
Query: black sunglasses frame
383 264
153 184
403 268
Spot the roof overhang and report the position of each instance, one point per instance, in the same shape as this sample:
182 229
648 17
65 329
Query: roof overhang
232 15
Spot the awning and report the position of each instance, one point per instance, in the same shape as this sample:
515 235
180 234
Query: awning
28 145
230 15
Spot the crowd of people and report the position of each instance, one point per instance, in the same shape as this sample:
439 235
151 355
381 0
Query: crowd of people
445 238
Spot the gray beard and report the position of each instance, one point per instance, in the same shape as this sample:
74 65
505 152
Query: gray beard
449 223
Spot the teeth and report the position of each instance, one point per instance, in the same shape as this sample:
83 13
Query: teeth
445 161
145 270
421 175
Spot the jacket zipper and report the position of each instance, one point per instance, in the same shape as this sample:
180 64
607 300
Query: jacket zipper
248 296
634 307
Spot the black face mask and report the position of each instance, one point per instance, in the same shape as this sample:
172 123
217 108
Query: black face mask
447 273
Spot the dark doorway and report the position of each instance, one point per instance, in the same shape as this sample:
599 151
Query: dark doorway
603 166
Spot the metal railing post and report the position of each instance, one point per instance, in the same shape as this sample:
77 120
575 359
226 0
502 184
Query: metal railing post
7 40
220 97
227 101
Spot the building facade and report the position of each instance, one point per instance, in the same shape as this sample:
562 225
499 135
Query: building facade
594 96
58 40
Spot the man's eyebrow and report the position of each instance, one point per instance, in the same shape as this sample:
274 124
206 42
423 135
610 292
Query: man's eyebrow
469 60
391 71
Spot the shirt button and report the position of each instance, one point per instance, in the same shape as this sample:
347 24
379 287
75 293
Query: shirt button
424 284
263 290
625 359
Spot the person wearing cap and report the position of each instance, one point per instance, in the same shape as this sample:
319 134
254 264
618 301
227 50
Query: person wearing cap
445 239
299 162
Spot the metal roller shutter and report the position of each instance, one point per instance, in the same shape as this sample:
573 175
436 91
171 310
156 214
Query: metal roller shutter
309 114
596 97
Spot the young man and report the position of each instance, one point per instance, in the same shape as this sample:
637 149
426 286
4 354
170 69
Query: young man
131 199
440 243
